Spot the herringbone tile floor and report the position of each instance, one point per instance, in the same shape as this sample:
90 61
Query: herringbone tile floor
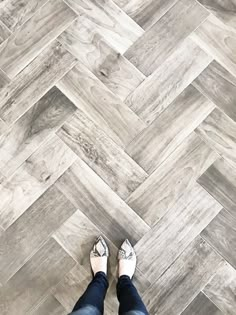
118 118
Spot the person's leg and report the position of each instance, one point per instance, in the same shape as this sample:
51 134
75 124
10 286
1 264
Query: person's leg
92 301
130 301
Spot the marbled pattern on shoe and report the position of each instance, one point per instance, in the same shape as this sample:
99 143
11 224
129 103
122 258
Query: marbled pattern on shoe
100 248
126 251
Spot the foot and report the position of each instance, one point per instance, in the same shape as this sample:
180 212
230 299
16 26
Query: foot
99 255
127 260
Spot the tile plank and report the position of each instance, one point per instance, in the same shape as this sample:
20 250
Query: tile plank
161 40
219 132
100 204
221 235
110 113
4 31
145 13
34 280
221 290
218 40
34 35
50 306
175 230
37 125
177 287
219 86
155 93
150 148
33 178
152 199
110 21
26 235
106 158
34 81
201 305
84 41
223 10
222 186
14 12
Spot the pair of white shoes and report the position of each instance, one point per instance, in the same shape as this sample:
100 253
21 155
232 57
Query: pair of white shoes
126 258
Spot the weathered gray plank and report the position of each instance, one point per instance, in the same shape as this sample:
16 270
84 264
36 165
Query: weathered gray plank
219 86
36 126
100 204
217 39
50 306
152 199
150 148
221 235
91 96
106 158
34 35
223 10
26 235
220 181
34 280
4 80
14 12
161 40
145 13
201 305
177 287
110 21
34 81
221 290
174 231
4 31
219 132
33 178
168 81
83 41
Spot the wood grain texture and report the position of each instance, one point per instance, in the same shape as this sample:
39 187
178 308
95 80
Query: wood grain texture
217 39
4 80
14 12
37 125
161 40
175 230
34 81
221 235
83 41
150 148
219 132
49 305
223 10
201 305
219 86
117 28
101 105
33 36
222 289
154 95
4 32
220 185
33 178
145 13
27 234
100 204
176 288
34 280
103 155
152 199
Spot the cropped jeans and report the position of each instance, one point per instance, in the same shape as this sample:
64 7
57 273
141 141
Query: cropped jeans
92 301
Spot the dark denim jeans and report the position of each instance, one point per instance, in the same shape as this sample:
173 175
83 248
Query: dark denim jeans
92 301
